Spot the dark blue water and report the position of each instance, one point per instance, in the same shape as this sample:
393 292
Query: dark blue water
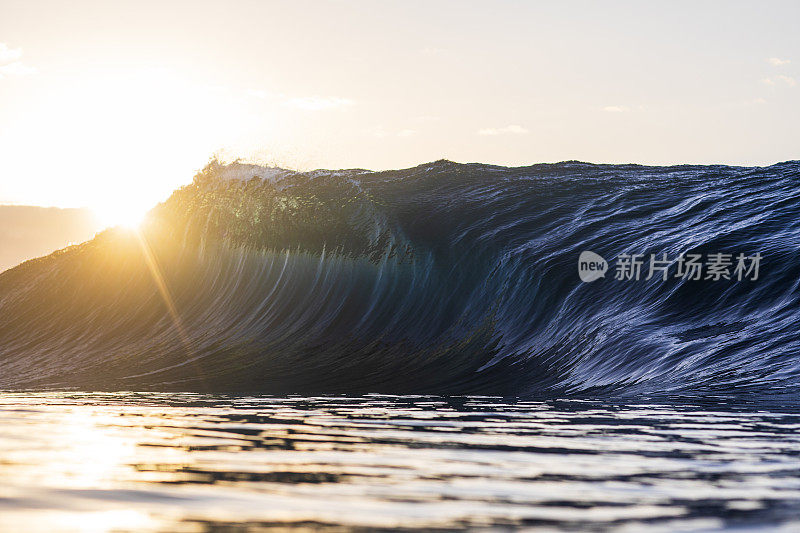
440 279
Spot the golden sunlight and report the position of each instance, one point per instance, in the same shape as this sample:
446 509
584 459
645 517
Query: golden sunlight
120 141
146 130
129 215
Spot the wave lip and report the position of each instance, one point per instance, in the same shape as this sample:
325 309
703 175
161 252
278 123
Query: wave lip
443 278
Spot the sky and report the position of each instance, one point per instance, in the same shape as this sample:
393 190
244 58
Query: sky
112 105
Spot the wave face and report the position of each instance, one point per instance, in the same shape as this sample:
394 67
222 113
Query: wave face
443 278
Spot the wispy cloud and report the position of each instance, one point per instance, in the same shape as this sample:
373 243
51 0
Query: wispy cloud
11 64
615 109
780 80
17 68
514 129
378 132
776 61
8 55
318 103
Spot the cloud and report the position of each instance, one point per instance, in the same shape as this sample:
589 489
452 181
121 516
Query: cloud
17 68
319 103
776 61
511 128
780 79
406 133
10 64
378 132
9 55
615 109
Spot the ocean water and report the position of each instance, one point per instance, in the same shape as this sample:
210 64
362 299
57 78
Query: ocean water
258 310
194 462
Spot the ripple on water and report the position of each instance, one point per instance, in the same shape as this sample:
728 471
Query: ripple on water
130 461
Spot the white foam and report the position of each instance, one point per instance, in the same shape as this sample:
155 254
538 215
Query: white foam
237 171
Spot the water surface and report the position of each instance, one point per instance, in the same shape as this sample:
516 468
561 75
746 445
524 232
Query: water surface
175 462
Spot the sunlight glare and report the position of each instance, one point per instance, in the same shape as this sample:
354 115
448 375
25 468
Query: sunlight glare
120 141
117 214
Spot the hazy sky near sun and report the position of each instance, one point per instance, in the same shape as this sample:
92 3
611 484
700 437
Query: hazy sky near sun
117 103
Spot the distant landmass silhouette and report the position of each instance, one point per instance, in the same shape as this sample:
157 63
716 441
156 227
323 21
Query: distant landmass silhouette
28 231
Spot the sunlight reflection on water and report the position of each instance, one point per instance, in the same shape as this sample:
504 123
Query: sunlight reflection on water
136 461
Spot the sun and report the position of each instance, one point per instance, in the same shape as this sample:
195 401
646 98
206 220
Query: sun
125 139
126 215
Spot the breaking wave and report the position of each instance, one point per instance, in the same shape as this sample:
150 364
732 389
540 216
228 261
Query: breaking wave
444 278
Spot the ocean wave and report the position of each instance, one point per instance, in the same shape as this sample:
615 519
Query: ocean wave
444 278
